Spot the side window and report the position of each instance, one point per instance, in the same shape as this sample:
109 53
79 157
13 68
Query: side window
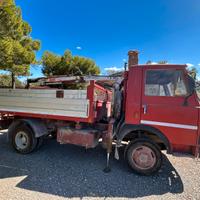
165 83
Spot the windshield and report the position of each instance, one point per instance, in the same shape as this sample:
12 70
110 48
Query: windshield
165 82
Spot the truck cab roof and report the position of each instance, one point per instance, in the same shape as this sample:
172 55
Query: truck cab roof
160 66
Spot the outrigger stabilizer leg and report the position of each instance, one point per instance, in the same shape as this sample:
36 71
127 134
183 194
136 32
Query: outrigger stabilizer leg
109 137
107 169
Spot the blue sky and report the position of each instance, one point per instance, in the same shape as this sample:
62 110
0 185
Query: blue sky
106 29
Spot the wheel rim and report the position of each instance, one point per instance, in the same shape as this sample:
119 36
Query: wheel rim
143 157
21 140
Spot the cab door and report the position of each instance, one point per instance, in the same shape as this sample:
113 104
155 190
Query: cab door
163 95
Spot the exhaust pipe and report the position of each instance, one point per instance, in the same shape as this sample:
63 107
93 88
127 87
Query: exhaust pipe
132 58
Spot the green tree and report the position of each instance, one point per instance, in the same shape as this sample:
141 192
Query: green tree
51 63
149 62
193 72
67 64
6 81
17 48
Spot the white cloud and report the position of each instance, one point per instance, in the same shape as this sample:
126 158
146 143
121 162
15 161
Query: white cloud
117 69
189 64
154 63
79 48
112 70
199 64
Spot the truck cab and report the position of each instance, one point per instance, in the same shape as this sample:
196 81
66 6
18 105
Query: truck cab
161 112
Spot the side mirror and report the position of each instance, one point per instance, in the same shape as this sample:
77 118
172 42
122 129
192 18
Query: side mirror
191 85
191 89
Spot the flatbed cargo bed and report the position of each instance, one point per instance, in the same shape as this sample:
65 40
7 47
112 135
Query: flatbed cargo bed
72 105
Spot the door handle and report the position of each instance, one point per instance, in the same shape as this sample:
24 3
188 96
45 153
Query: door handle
144 109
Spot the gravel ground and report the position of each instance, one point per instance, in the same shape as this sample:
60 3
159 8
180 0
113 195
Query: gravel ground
70 172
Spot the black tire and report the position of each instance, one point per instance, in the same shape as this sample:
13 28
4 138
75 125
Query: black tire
148 151
30 142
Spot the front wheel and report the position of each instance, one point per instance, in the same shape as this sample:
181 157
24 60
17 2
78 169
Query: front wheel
144 157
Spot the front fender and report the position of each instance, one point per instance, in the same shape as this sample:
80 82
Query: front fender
125 129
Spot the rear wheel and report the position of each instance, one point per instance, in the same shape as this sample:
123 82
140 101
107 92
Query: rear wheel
144 157
23 139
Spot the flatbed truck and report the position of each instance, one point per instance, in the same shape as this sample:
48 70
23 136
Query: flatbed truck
147 108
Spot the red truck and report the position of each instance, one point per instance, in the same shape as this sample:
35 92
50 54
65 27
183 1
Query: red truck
147 108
